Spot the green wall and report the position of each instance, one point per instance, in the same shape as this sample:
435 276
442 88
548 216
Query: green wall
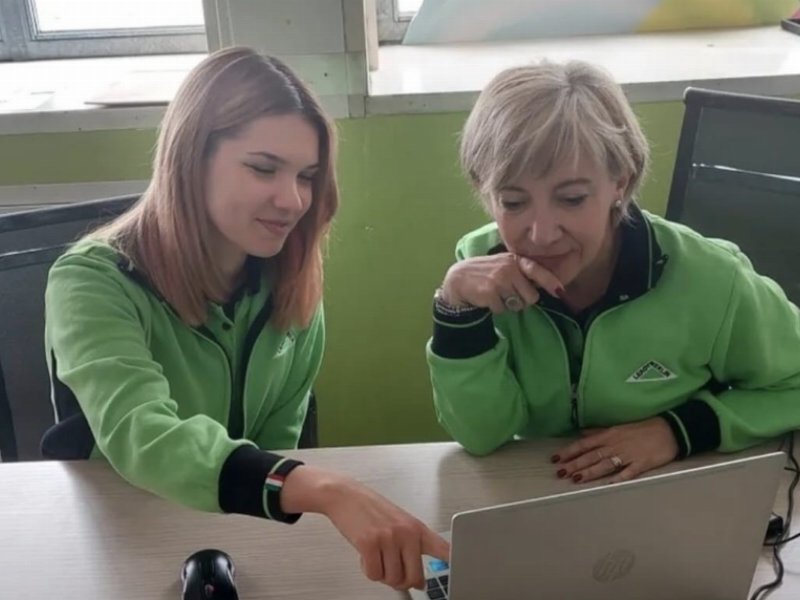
404 205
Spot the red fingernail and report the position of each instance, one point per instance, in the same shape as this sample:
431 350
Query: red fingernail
577 478
561 473
555 458
560 291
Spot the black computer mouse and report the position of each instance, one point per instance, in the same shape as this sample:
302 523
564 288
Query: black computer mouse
208 575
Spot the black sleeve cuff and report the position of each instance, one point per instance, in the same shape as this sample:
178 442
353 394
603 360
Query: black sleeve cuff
250 483
464 335
695 426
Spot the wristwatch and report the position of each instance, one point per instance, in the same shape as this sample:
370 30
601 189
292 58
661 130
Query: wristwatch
443 307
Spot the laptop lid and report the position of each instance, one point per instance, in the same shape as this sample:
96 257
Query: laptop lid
692 534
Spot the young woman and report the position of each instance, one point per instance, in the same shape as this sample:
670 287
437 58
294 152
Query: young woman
188 332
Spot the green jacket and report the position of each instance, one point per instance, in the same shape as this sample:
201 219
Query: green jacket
687 330
184 412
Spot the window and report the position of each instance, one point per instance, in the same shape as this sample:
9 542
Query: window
407 8
393 18
33 29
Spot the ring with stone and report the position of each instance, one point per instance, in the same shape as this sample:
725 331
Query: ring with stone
513 302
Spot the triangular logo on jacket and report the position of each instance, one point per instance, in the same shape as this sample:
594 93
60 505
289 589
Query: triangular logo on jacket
652 370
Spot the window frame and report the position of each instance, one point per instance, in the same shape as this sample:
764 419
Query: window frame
5 52
22 40
392 24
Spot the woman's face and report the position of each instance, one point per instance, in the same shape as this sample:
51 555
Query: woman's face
561 220
259 185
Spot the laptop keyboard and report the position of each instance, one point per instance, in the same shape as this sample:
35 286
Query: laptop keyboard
437 573
437 588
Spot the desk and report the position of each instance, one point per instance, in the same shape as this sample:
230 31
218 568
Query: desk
78 529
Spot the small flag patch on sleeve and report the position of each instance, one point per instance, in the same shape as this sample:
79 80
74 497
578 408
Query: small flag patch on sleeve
274 482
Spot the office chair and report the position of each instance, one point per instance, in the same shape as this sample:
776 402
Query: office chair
309 435
737 177
30 242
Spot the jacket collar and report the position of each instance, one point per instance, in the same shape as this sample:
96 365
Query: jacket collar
251 284
641 261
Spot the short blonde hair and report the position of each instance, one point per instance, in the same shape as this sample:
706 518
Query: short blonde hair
166 233
531 118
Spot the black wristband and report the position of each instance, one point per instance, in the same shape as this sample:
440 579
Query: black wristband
695 426
243 483
273 486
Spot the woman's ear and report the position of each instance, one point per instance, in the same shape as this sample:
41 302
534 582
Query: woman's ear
622 186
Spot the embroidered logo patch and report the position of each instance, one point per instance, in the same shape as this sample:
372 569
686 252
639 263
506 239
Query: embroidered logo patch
287 342
652 370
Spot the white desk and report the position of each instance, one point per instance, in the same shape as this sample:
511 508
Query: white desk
78 531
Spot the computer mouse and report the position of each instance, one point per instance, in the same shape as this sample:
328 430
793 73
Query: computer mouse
208 575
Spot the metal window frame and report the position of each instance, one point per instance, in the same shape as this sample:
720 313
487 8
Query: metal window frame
5 51
22 40
392 24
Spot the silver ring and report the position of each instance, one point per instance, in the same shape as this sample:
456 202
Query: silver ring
616 461
513 302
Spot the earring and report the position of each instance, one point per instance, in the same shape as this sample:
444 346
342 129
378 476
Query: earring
618 203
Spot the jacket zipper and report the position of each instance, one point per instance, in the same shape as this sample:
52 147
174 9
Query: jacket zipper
207 335
250 338
573 387
253 331
574 400
586 334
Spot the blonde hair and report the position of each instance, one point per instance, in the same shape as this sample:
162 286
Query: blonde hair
530 119
166 233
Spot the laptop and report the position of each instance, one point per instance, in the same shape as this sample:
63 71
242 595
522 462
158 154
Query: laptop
694 534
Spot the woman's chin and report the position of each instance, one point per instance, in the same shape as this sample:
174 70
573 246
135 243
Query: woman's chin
567 275
266 249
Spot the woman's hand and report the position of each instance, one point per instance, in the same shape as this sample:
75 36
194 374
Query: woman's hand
499 282
622 451
390 541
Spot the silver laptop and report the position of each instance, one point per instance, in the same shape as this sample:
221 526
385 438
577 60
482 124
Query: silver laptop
690 535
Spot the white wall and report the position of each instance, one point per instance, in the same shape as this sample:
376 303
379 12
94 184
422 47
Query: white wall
323 40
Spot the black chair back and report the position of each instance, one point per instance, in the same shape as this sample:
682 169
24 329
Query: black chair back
737 177
30 242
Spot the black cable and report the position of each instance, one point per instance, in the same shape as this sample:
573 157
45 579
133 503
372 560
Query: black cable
795 468
764 590
782 542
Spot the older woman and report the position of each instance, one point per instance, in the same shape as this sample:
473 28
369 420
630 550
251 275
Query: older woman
576 311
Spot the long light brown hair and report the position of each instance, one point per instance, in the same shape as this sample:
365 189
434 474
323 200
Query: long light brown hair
166 234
